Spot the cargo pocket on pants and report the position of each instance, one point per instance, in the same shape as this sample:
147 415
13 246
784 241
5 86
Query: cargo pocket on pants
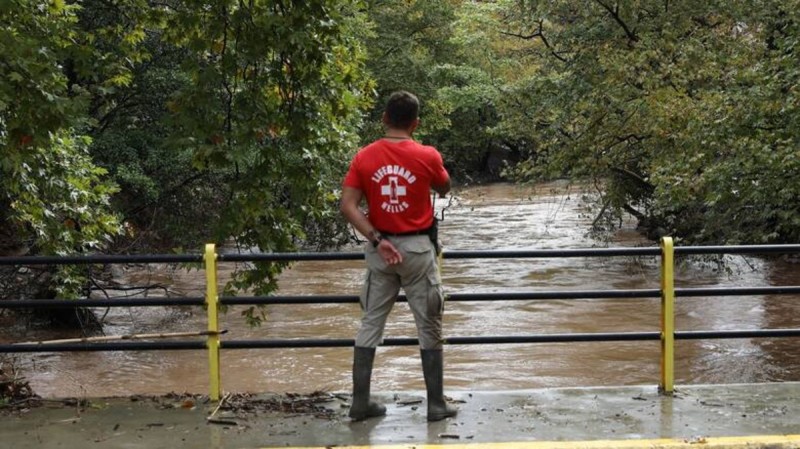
364 299
435 306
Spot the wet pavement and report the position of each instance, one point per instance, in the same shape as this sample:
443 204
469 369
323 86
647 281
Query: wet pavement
720 416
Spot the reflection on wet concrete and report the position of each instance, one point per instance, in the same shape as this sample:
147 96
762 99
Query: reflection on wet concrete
694 416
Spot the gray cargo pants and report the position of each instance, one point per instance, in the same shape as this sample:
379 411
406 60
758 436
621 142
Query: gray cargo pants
419 278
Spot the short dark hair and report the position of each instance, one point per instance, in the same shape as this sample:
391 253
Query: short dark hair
402 109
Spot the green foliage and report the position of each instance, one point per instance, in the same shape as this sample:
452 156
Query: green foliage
58 193
233 121
452 56
54 198
686 110
165 201
34 99
406 42
273 95
472 90
219 120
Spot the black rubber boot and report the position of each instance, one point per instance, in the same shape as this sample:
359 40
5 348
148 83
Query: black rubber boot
362 408
432 368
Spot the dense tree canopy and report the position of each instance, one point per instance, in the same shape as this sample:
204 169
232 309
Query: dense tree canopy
449 54
53 198
687 111
218 120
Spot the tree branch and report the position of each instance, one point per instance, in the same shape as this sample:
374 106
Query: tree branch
170 191
704 22
642 218
641 182
540 34
615 15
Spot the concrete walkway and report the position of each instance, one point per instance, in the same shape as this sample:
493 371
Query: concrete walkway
721 416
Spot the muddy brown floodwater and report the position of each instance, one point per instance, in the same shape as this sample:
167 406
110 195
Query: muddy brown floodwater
548 216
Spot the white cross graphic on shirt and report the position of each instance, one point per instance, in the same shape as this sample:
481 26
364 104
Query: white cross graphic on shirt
393 190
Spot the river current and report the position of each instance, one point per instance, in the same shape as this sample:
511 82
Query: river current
493 217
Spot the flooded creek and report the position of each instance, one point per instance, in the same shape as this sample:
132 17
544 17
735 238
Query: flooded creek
493 217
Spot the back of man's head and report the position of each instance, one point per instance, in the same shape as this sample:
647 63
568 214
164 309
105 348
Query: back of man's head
402 109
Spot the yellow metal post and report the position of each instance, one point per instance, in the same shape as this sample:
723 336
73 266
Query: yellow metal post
667 316
212 304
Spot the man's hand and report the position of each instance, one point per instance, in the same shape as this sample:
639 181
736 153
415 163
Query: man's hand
389 253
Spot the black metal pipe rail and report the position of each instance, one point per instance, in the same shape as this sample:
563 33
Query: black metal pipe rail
322 299
738 249
737 291
722 334
122 302
494 340
350 255
101 259
326 342
350 299
457 297
526 254
349 342
95 347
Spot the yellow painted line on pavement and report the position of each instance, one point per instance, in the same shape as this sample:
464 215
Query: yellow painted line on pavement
746 442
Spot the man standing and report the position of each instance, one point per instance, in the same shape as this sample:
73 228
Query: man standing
396 174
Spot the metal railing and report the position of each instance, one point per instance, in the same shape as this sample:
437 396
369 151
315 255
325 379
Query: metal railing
213 302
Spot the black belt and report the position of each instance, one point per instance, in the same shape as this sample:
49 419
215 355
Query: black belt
404 234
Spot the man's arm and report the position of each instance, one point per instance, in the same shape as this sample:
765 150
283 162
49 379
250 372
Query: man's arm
441 179
351 197
442 189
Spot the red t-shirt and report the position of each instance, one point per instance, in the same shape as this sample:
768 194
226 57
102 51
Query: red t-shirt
396 178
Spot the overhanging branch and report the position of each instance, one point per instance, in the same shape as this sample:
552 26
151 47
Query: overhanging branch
630 34
538 34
